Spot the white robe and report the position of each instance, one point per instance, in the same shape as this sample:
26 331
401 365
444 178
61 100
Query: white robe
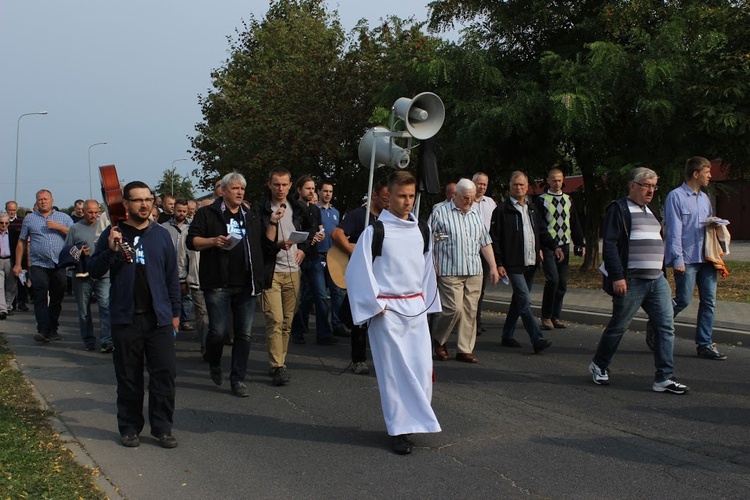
401 346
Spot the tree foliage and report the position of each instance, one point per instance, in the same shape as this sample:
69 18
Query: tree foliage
173 183
601 86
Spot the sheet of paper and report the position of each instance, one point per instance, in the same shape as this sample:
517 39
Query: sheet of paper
298 236
233 240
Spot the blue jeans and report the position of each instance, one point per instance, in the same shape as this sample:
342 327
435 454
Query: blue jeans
556 284
220 302
520 305
313 290
186 306
655 298
83 288
705 275
337 297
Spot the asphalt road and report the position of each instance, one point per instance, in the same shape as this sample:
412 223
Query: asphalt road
516 425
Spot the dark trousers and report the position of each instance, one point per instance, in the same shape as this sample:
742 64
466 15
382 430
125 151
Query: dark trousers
359 333
135 343
222 305
47 281
556 284
485 277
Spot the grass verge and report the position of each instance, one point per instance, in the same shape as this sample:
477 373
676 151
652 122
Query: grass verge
34 463
734 288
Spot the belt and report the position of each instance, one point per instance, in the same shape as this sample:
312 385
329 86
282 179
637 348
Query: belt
8 257
412 296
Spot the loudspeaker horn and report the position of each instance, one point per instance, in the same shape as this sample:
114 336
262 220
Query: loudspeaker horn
386 153
423 115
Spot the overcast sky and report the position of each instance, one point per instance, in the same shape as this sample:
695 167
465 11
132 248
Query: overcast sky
128 73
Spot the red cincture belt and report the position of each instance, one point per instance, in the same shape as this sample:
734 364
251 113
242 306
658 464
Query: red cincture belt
412 296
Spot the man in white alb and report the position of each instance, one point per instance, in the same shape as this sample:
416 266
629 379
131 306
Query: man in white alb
394 292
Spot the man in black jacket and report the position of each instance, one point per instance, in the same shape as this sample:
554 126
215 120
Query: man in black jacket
516 241
234 249
279 300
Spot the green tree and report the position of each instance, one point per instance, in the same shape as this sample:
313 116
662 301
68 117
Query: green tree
173 183
602 86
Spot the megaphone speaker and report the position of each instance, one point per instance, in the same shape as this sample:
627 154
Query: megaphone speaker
386 153
423 115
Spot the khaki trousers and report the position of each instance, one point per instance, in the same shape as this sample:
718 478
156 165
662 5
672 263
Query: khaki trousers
279 302
459 296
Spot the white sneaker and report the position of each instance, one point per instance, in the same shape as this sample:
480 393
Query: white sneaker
670 385
600 377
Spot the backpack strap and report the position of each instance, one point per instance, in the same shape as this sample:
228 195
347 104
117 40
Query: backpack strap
378 235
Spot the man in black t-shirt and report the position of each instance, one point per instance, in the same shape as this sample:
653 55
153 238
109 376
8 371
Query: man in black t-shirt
345 237
231 273
144 312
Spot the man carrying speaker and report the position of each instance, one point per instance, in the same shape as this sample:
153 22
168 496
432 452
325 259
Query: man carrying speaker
345 237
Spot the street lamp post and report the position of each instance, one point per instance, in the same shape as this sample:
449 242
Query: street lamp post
91 189
174 172
18 133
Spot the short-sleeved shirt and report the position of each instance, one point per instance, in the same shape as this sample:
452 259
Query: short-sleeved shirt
354 223
458 255
45 244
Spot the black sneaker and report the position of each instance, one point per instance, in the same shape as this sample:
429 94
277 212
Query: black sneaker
710 352
239 389
401 444
341 331
55 336
670 385
216 375
510 342
131 441
541 345
167 441
280 376
107 348
40 337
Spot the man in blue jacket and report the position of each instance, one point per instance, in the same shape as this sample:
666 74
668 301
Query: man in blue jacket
145 313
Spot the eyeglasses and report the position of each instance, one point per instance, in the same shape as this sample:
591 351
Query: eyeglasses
4 223
655 187
142 201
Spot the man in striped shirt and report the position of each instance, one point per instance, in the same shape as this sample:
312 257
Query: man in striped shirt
633 253
459 270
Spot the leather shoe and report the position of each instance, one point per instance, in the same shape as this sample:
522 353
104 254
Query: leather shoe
541 345
558 324
510 342
466 357
401 444
547 324
441 352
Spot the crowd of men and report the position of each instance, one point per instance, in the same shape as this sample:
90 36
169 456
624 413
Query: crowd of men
213 261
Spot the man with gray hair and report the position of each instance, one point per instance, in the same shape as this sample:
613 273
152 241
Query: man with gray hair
459 270
633 253
486 206
517 241
231 273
